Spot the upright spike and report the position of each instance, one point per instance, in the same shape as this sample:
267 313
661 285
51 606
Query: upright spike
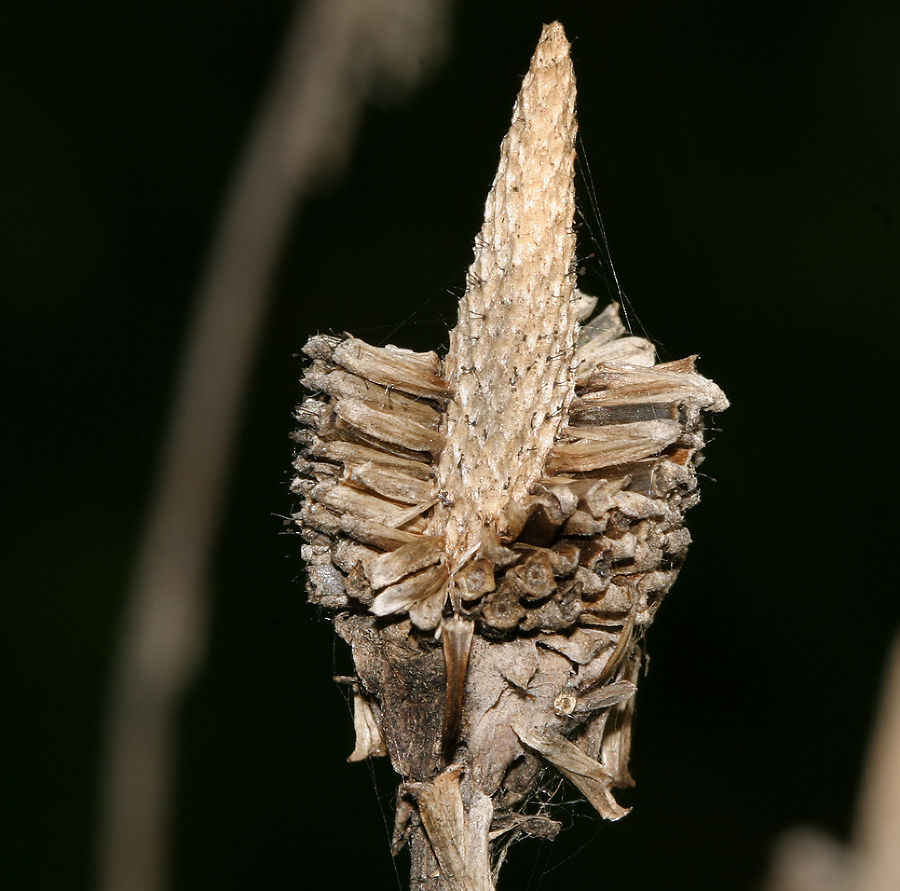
513 345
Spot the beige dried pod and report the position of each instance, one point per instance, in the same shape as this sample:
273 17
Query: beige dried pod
493 532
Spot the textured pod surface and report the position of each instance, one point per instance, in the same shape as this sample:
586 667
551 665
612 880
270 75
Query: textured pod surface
495 531
598 534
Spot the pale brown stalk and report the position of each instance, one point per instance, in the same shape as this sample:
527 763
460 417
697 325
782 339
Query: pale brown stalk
335 52
808 859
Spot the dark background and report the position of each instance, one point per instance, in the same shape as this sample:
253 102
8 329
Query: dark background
744 157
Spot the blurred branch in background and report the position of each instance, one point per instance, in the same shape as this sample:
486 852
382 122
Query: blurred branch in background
336 54
878 819
808 860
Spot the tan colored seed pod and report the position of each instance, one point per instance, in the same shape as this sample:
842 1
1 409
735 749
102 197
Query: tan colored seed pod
494 532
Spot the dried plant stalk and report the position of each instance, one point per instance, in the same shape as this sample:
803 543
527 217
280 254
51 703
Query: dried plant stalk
494 532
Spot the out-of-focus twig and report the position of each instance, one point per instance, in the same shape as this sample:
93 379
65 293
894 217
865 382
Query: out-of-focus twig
335 54
878 819
808 860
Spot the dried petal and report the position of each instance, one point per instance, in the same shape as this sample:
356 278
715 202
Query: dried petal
401 596
385 569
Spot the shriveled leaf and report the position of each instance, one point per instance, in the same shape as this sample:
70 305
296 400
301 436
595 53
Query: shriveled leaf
586 774
369 742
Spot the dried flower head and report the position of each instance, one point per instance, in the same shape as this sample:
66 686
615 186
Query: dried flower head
494 532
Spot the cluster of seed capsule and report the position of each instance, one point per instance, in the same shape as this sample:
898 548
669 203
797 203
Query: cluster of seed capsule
597 543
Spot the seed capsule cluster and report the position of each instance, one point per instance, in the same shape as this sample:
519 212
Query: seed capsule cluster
369 437
596 544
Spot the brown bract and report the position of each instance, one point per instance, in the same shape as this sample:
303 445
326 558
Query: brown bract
494 532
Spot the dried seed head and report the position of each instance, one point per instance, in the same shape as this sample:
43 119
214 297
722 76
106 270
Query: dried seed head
523 501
